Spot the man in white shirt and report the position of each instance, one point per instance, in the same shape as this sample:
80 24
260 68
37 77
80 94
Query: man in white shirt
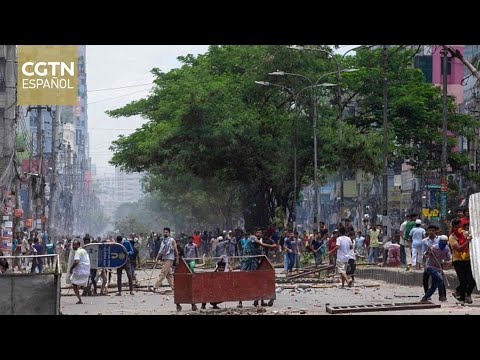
403 257
80 269
417 234
344 248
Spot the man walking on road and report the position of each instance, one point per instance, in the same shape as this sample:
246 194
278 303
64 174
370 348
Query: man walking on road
80 270
437 253
168 254
344 247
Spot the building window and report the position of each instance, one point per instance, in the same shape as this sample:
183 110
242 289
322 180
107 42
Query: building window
2 74
424 63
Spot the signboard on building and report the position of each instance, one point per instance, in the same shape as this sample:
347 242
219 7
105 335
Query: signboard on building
433 214
443 197
106 255
6 246
397 180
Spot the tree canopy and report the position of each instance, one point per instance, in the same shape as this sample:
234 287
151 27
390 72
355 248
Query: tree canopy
217 143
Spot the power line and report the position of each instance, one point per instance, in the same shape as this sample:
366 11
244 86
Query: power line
121 87
110 129
116 97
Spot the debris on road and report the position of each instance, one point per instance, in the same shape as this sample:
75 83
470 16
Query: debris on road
379 307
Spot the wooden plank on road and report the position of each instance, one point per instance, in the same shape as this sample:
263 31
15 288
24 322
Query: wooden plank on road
379 307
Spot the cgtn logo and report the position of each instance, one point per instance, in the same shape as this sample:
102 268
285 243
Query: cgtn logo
47 74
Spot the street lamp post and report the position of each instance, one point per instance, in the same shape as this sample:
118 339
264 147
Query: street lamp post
444 170
339 104
313 86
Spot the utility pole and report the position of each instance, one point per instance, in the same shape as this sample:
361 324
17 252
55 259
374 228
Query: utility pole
39 137
42 183
74 193
69 210
30 184
53 184
17 204
385 137
7 140
295 174
315 160
444 185
361 202
39 158
340 137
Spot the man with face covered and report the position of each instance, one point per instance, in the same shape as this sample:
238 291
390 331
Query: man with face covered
436 254
169 255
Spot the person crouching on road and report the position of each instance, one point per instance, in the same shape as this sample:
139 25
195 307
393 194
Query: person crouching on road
222 266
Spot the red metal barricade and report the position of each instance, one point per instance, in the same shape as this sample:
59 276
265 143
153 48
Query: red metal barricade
216 287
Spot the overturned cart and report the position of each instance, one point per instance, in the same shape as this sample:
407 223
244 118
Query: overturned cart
30 293
215 287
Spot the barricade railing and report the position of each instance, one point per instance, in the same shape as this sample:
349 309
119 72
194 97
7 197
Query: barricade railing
14 258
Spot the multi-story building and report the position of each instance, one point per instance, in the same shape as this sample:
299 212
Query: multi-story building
423 192
471 104
471 90
128 186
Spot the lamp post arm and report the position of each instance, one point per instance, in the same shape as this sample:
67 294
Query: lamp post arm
324 75
301 76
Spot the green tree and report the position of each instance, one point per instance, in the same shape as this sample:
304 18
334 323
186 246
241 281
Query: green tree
130 225
414 110
210 121
217 144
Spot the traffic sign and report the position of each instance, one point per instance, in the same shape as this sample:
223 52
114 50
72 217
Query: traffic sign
106 255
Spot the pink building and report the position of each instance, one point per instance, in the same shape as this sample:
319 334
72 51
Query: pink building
455 73
454 79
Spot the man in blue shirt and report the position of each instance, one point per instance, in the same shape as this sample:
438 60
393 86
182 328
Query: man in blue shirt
37 261
126 267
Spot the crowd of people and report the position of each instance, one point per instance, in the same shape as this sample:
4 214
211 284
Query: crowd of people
416 246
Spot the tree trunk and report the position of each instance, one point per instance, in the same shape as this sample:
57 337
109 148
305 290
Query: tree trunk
256 210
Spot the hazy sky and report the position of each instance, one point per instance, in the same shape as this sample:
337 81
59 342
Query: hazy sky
113 66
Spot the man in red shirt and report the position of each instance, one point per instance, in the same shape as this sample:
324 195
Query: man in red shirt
196 238
331 244
466 217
